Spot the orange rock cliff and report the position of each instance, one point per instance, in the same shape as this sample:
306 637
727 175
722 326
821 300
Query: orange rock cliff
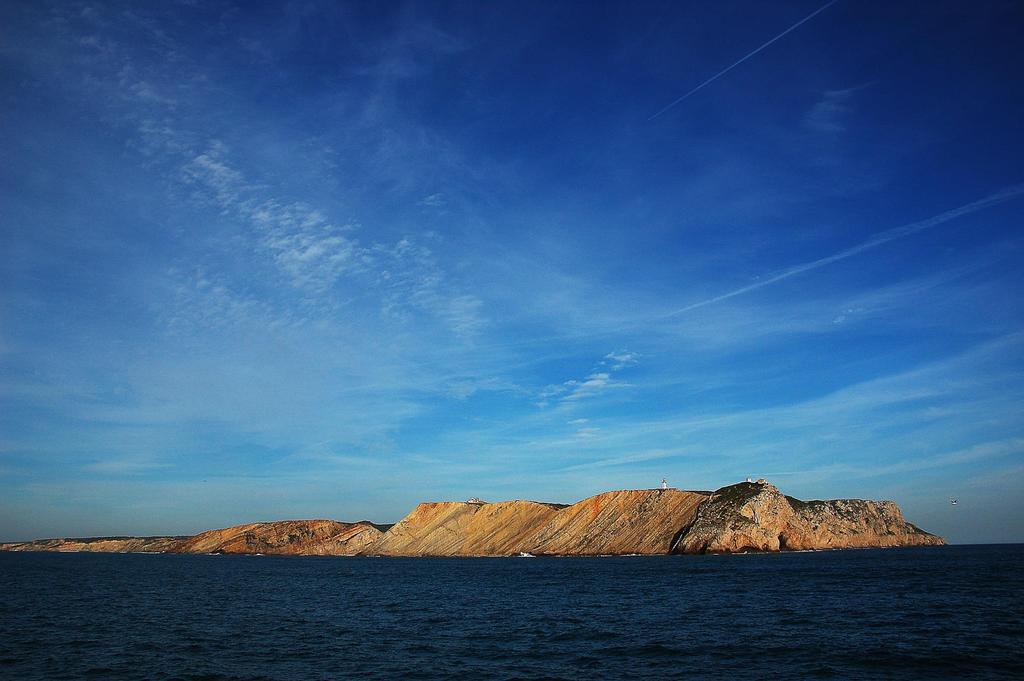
743 517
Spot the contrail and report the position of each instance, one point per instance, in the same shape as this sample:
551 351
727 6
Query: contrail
729 68
877 240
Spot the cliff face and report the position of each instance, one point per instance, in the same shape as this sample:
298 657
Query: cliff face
743 517
286 538
452 528
629 521
99 545
757 517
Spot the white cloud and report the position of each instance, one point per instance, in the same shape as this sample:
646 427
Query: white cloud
411 279
209 172
437 200
314 253
145 91
203 300
828 115
595 383
621 359
588 387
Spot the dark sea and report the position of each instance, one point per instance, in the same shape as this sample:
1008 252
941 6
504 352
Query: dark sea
922 613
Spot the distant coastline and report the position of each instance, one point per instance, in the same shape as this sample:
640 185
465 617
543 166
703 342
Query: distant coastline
742 518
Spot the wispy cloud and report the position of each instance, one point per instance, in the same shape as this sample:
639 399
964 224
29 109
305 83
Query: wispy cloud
125 466
959 410
628 459
744 58
829 113
972 454
437 200
203 300
314 253
592 385
588 387
879 239
303 243
411 279
411 50
295 269
621 359
309 249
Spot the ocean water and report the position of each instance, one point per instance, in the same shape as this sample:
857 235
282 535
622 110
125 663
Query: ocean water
923 613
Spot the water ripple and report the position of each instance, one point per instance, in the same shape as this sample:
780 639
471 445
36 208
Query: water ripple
898 614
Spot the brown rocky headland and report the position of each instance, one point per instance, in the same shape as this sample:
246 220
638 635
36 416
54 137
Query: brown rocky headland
98 545
286 538
739 518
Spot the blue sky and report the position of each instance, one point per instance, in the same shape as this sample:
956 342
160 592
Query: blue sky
330 260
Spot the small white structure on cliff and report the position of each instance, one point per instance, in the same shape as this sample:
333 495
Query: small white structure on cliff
664 483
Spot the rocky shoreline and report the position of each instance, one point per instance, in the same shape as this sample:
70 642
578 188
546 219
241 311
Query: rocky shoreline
746 517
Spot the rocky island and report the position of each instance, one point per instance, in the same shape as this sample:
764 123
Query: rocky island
749 516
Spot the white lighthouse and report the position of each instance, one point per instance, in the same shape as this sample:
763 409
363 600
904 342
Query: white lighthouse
664 483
